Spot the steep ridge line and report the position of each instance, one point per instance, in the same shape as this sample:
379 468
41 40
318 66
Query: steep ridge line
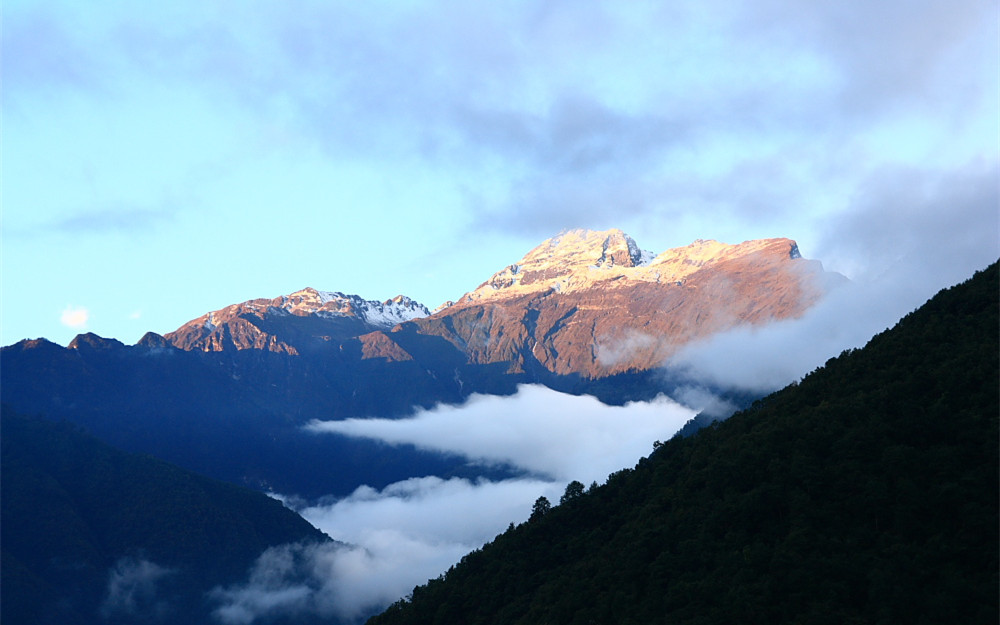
603 307
866 493
589 303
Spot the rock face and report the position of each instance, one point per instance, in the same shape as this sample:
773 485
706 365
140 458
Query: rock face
593 303
291 323
584 302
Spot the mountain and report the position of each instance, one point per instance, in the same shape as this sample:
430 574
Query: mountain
594 304
295 322
866 493
584 302
227 393
94 535
235 415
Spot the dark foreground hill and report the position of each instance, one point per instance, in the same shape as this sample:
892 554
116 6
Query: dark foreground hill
867 493
91 534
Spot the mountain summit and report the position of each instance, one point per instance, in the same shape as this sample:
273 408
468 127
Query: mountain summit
596 304
567 261
582 259
583 302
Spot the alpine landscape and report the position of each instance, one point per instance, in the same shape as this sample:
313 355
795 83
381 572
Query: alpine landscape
515 314
254 395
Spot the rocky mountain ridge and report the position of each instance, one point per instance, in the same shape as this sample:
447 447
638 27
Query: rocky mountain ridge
865 493
226 394
583 302
581 259
258 324
593 303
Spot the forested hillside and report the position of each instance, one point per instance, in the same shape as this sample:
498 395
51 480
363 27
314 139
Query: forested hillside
867 493
91 534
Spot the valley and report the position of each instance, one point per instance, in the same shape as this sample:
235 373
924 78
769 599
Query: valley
555 370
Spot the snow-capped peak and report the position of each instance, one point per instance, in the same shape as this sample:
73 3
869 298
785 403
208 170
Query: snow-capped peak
310 301
385 314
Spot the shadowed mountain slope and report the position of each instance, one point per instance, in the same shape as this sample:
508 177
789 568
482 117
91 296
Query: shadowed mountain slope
867 493
227 393
91 534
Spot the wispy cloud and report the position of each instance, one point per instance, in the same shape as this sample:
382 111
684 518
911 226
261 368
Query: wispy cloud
917 233
676 103
398 537
110 220
132 591
282 582
40 51
926 227
74 317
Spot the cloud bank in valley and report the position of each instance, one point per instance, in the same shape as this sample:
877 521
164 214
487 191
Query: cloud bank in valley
562 437
398 537
414 530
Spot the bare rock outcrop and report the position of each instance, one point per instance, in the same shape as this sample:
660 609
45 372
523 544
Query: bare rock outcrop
593 303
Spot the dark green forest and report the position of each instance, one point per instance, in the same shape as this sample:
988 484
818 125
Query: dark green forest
76 514
866 493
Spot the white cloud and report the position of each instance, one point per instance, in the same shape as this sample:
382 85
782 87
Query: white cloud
398 538
763 359
610 353
413 530
436 510
917 232
561 436
74 317
278 584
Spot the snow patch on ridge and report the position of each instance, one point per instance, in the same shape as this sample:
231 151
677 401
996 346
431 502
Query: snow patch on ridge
326 304
645 258
336 304
393 312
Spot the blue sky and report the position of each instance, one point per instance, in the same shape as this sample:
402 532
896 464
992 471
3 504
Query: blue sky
160 160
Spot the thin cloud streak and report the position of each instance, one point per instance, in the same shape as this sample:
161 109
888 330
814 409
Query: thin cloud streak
110 220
